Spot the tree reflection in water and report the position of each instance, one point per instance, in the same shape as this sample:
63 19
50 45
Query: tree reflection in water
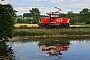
55 47
6 53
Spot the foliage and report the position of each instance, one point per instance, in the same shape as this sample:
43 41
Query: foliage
35 14
82 16
2 44
24 20
44 16
73 17
6 51
33 32
7 14
19 20
27 15
85 15
23 27
28 20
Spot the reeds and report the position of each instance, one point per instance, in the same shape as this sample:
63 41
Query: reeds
33 32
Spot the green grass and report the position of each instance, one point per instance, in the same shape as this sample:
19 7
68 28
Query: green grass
82 24
33 32
78 23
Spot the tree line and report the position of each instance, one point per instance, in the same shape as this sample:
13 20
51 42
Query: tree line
81 17
34 16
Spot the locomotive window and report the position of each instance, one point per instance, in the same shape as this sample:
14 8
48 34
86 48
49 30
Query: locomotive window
54 15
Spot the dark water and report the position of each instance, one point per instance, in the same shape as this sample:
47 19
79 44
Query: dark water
48 49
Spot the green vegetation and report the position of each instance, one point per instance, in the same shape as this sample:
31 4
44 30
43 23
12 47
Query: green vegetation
7 17
27 19
80 23
81 17
23 27
35 14
6 53
2 44
24 20
37 32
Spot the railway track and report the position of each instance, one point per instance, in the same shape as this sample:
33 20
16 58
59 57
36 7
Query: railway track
35 26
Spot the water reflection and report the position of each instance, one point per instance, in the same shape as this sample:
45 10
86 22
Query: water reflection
6 53
50 49
55 47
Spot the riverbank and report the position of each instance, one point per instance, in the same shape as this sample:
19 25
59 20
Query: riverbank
51 32
63 37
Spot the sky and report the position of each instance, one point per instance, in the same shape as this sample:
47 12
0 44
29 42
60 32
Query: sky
23 6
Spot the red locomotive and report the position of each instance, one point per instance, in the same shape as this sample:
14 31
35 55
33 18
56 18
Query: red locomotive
54 20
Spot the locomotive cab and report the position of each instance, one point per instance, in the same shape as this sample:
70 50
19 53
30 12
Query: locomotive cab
53 15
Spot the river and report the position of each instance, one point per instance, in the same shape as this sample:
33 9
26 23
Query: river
50 49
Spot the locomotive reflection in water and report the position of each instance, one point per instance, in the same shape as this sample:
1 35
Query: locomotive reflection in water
54 48
6 53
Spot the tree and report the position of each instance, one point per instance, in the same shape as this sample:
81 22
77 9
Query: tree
85 15
19 20
35 14
71 15
74 17
27 15
7 17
